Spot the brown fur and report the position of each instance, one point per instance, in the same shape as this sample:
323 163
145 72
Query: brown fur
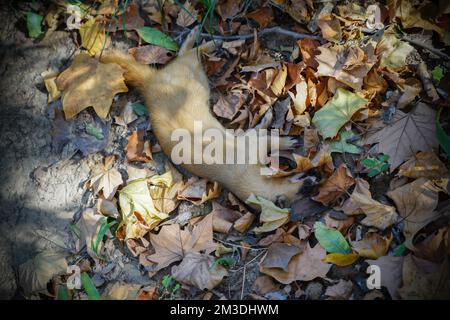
178 95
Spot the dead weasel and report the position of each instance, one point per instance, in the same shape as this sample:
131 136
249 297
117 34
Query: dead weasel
178 95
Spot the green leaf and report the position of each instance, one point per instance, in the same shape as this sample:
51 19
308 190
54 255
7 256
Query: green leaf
176 288
89 287
227 262
34 22
400 251
442 136
166 281
342 146
384 167
437 73
140 109
369 163
337 112
63 293
158 38
94 131
373 172
383 157
331 239
103 229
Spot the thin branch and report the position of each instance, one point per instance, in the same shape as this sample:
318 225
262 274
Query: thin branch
427 47
277 30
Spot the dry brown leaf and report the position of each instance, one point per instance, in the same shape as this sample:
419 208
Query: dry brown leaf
308 49
435 247
372 245
93 36
228 9
126 116
223 218
150 54
173 244
227 105
198 191
407 134
330 27
187 15
107 208
139 149
423 164
341 225
305 266
423 279
264 284
335 187
199 270
360 202
346 64
279 82
129 20
278 256
244 223
340 291
415 203
264 16
107 180
50 85
87 83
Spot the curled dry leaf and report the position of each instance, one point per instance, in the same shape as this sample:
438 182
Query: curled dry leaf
360 202
305 266
393 52
335 187
139 149
407 134
271 216
244 222
372 245
434 247
198 191
87 83
223 218
278 256
172 244
308 49
126 116
264 16
107 180
187 15
199 270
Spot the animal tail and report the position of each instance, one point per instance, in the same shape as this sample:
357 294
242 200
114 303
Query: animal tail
136 74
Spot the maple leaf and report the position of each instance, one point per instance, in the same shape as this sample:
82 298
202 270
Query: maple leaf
393 51
199 270
172 244
87 83
108 180
407 134
93 36
337 112
335 186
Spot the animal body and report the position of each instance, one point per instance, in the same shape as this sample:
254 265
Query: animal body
177 96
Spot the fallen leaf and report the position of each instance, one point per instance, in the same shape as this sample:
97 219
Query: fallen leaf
423 279
342 145
126 115
308 49
157 38
340 291
198 191
423 164
87 83
172 244
264 284
223 218
372 245
279 82
107 208
243 223
139 149
347 64
128 20
93 36
393 51
415 203
187 15
342 225
50 85
35 273
150 54
305 266
271 216
264 16
108 180
335 187
278 256
337 112
227 105
299 99
34 24
121 291
360 202
330 27
331 239
434 247
199 270
406 134
341 259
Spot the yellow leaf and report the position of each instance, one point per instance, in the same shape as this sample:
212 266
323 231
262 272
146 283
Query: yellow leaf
341 259
93 36
271 216
87 83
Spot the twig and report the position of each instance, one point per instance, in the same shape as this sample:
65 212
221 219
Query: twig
243 283
278 30
427 47
239 246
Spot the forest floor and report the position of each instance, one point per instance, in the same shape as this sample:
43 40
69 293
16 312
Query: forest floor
51 206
